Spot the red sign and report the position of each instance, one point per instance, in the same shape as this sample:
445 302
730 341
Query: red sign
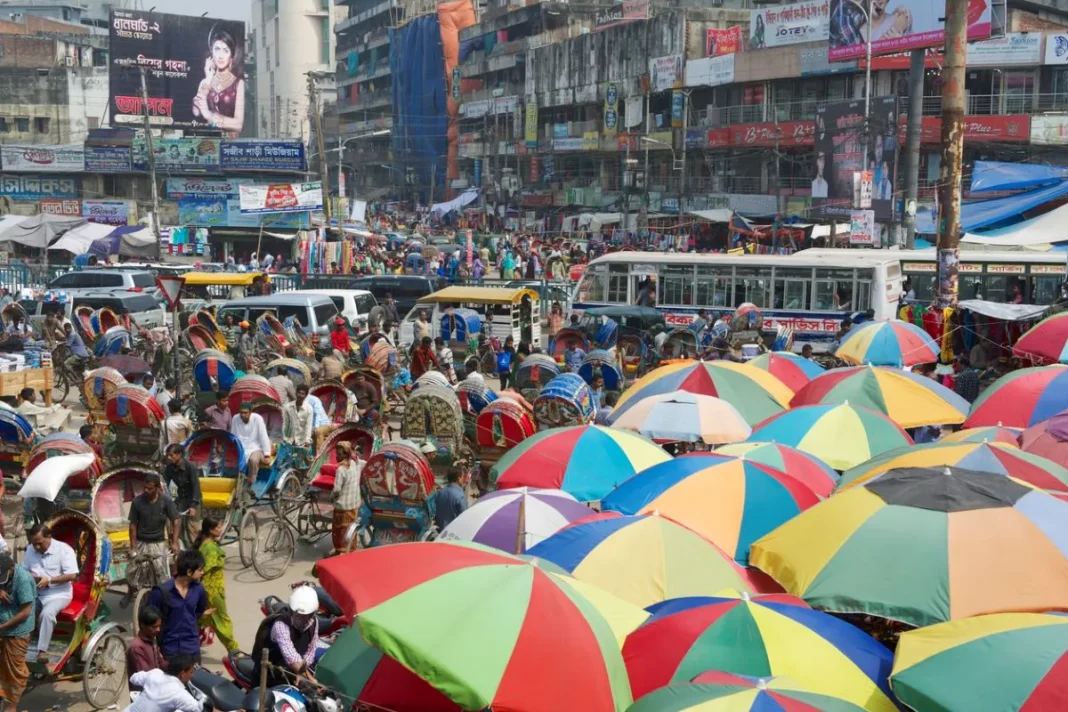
535 169
624 140
59 206
170 286
727 41
902 60
785 133
718 138
1012 128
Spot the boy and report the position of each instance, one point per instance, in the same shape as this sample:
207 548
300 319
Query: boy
143 652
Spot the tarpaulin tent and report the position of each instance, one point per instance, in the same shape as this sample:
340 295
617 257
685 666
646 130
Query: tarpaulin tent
996 175
1038 232
38 231
127 241
78 240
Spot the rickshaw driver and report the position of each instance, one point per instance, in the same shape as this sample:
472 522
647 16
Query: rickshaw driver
251 431
366 399
150 513
79 355
54 568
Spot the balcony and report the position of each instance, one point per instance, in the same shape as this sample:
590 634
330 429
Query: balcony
365 101
364 73
362 41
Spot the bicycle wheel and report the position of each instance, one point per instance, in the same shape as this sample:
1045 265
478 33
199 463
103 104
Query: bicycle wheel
60 385
315 520
273 549
286 501
104 676
246 536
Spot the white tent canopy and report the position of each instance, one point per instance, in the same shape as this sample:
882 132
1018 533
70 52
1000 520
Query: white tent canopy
78 240
38 231
1035 233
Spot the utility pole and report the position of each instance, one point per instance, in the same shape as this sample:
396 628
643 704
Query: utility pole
648 123
949 174
682 173
324 170
912 144
150 150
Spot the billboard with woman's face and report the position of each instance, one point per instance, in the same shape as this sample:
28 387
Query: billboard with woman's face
193 69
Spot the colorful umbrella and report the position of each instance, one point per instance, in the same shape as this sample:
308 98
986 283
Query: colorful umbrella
906 398
888 343
472 622
755 393
843 436
987 434
685 417
1022 398
726 692
925 545
811 470
792 369
1046 341
586 461
993 458
1008 661
727 500
644 559
1048 439
515 520
759 636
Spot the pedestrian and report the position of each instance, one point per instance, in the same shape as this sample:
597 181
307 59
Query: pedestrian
182 601
218 415
150 514
17 596
299 417
166 690
176 428
251 431
421 328
423 358
556 319
247 345
389 310
54 568
217 617
142 653
504 362
185 477
450 502
445 360
346 493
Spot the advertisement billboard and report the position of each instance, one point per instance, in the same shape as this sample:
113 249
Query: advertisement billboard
66 207
223 212
38 159
842 151
620 14
281 197
107 159
107 212
178 154
898 25
710 71
252 155
664 72
1056 48
789 24
194 69
35 188
719 42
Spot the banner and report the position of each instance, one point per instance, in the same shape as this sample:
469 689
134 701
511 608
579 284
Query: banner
194 69
665 72
862 227
710 71
178 188
107 159
107 212
814 62
1015 48
1056 49
1014 128
35 188
784 133
611 111
178 154
898 26
253 155
718 42
840 153
219 212
66 207
789 24
530 125
39 159
1049 130
281 198
620 14
678 107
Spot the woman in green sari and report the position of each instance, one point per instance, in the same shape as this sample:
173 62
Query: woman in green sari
214 582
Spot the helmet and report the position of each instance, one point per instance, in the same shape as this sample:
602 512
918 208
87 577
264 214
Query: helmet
304 600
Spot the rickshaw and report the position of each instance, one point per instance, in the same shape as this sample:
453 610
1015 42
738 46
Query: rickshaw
564 337
566 401
112 342
415 263
16 438
433 416
79 485
534 373
603 363
398 484
83 319
10 311
474 395
225 286
680 343
206 321
630 318
295 370
199 338
338 402
99 385
213 372
432 378
136 419
104 319
220 460
382 356
85 645
460 328
500 426
634 354
505 311
112 495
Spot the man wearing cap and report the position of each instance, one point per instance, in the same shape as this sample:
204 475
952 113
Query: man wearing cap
251 431
17 596
54 568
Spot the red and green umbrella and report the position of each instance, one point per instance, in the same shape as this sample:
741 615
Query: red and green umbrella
811 470
484 628
1046 341
1008 661
1022 398
792 369
716 691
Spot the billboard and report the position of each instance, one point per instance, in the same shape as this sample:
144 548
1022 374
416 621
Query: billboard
841 152
38 159
718 42
175 155
789 24
1056 49
898 25
620 14
281 197
107 212
665 72
107 159
251 155
193 67
35 188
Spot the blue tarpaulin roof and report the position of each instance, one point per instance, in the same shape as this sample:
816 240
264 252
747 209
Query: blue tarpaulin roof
984 213
997 175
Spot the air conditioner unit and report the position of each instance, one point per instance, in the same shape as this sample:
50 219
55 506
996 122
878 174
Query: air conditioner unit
68 61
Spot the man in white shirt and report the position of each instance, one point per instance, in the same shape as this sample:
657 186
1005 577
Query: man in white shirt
54 568
299 418
249 428
165 395
166 691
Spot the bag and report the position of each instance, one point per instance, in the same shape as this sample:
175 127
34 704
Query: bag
504 362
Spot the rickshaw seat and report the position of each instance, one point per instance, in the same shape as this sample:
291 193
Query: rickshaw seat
78 603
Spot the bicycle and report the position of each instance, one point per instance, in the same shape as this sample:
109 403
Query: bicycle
302 513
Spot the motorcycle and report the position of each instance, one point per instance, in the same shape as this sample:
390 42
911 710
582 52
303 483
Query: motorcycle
217 694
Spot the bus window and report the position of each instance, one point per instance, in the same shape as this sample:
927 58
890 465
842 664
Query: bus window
923 286
995 287
1045 289
792 287
753 286
714 285
592 287
617 284
676 285
834 290
863 293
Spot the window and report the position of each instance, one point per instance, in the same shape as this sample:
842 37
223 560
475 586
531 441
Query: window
109 280
365 303
41 124
238 314
144 280
617 284
325 313
325 44
277 40
863 293
923 285
676 285
22 125
4 126
592 286
753 285
1044 290
792 287
714 286
834 290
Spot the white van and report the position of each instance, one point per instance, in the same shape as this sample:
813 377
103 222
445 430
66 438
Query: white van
353 304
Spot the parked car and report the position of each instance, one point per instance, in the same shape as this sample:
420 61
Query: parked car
143 308
315 312
407 289
97 280
353 304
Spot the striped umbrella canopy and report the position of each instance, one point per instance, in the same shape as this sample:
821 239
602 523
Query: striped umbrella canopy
759 636
586 461
1007 661
716 691
1048 439
644 559
985 434
925 545
843 436
811 470
794 370
994 458
755 393
1046 341
685 417
906 398
1022 398
727 500
888 343
471 622
516 519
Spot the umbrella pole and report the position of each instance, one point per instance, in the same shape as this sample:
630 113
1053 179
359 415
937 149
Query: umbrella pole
521 525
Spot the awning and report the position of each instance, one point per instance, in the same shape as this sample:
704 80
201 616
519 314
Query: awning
78 240
842 229
996 175
38 231
991 212
468 196
719 215
1008 312
127 241
1037 232
282 235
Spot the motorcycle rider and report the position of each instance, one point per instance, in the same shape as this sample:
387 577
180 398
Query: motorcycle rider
291 639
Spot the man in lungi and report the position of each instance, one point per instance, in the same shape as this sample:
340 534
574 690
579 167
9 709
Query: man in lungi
150 513
17 597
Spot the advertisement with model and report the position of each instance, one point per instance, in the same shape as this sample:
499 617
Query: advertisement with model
897 25
194 70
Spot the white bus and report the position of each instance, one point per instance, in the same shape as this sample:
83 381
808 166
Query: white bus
810 296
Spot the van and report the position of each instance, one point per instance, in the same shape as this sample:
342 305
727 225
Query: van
315 312
145 311
353 304
407 289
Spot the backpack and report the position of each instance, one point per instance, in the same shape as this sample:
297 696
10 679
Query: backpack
504 362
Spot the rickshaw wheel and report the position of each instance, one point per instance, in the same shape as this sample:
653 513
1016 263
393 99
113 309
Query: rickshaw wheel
273 550
60 385
246 536
140 602
106 664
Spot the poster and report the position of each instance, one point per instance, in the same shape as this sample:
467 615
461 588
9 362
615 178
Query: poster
678 107
178 154
710 71
1056 49
665 72
34 188
620 14
1014 49
611 111
530 125
107 212
862 227
16 157
841 152
65 207
720 42
107 159
281 197
783 25
898 25
226 212
194 69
